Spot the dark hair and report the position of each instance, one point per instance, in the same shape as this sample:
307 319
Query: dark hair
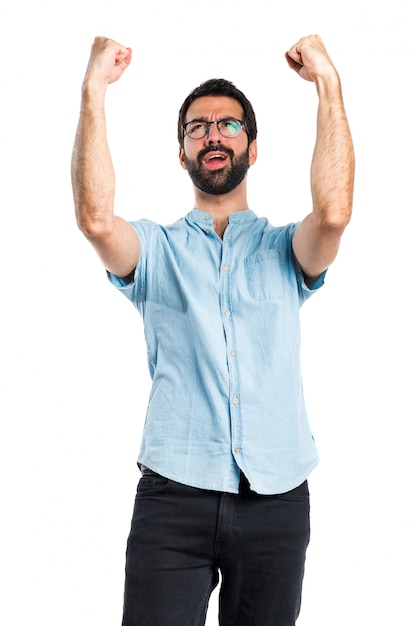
219 87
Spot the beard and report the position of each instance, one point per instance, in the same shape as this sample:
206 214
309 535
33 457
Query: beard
222 181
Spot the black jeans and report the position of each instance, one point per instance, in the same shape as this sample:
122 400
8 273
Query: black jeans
182 537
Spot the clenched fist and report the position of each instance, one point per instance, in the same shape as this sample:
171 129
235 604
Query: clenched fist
108 61
309 58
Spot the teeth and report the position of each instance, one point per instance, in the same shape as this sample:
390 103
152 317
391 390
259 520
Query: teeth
216 156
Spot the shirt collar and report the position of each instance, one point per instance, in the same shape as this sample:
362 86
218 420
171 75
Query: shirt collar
203 218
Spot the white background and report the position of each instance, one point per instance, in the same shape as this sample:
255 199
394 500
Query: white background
74 375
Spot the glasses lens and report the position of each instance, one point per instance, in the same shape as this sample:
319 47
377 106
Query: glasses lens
196 130
229 127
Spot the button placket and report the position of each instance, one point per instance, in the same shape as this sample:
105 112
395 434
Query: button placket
226 289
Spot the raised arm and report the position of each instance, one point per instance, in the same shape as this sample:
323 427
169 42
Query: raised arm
92 172
317 239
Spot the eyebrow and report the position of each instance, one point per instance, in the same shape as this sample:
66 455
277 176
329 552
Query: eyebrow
206 119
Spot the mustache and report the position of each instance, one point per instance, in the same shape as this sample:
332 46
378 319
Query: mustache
218 148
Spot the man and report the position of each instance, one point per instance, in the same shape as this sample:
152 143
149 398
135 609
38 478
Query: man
227 447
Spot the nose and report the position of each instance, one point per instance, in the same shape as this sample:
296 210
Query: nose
213 135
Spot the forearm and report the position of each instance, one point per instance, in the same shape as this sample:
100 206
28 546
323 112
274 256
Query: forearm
93 176
332 170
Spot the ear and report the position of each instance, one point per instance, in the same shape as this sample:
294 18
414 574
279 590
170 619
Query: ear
252 149
181 158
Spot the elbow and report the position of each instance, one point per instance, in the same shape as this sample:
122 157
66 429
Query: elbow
337 224
94 228
334 219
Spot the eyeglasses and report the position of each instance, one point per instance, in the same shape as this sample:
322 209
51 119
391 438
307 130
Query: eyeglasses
229 127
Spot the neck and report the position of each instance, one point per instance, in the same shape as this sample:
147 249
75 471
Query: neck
222 206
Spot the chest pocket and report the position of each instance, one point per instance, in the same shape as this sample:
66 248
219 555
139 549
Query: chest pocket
265 276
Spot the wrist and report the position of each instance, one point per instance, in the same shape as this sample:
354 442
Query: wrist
328 85
93 91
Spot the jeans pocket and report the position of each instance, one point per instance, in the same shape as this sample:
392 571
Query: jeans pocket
151 482
299 494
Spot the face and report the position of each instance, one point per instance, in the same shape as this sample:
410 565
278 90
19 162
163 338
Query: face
216 164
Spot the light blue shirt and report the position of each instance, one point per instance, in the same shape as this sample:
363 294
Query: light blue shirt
221 321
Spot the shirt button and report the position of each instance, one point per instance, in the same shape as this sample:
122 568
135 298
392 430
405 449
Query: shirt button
227 313
207 217
208 231
237 450
235 400
225 268
232 353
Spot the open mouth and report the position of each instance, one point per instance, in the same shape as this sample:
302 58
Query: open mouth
215 160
